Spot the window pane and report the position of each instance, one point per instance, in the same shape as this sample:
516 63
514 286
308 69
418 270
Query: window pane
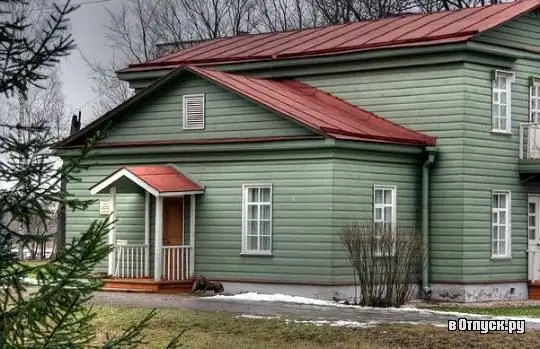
503 97
495 97
495 203
387 196
494 218
502 247
388 214
532 221
502 217
265 227
532 234
265 243
253 212
378 196
503 124
532 207
495 248
502 201
253 194
502 82
265 211
252 242
494 232
378 214
265 194
253 227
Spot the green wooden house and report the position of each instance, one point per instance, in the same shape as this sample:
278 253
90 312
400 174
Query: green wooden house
240 159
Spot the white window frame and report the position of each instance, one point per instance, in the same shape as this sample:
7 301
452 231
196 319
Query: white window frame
507 253
497 103
382 206
245 205
534 95
185 125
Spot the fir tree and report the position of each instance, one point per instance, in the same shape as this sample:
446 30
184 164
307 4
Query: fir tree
55 314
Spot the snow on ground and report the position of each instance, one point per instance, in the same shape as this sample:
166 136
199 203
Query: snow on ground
339 323
279 297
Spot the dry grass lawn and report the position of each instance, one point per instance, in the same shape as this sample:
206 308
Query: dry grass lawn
224 331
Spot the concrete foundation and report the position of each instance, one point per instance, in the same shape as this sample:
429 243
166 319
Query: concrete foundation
479 292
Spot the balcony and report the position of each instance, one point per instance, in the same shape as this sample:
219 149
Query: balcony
529 148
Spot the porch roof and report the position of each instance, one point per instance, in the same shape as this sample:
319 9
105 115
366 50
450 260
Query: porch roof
158 180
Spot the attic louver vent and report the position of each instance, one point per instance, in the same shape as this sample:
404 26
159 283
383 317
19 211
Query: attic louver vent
193 112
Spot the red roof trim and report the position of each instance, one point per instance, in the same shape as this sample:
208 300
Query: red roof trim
164 179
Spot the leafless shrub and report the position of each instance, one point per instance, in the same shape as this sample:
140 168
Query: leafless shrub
385 260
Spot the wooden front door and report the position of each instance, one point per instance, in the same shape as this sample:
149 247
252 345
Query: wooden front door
173 235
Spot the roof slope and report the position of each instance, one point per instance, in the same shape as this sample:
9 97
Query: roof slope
158 179
315 109
312 108
402 31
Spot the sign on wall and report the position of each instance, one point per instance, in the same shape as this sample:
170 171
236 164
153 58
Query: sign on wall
104 208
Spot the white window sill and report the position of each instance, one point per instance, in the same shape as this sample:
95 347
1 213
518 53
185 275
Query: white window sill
257 254
501 132
501 258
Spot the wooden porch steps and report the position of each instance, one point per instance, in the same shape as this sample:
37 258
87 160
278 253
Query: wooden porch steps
146 285
534 290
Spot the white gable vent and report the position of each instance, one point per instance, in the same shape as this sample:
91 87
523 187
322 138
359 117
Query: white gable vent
193 112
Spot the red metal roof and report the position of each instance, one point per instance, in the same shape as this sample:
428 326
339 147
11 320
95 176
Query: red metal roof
164 178
315 109
403 31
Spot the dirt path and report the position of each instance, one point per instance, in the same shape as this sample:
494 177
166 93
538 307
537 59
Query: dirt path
283 310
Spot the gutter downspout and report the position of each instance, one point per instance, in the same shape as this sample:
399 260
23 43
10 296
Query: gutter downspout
426 287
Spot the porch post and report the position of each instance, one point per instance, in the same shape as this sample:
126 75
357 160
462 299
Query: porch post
112 230
158 243
147 233
192 236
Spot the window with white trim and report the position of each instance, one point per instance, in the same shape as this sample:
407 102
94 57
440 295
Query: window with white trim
501 102
257 218
384 209
500 224
534 110
193 112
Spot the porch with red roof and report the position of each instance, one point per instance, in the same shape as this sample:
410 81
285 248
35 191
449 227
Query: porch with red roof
173 263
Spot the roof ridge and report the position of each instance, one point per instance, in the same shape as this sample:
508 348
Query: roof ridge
212 51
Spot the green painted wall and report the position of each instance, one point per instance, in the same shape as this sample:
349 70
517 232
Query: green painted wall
312 199
522 32
492 159
130 210
302 226
428 99
354 175
227 116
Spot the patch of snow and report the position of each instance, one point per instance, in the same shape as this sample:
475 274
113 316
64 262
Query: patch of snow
468 315
249 316
339 323
279 297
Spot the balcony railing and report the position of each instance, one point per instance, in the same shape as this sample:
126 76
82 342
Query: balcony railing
529 141
130 261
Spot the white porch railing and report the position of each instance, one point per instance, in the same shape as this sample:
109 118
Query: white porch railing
130 261
176 262
529 141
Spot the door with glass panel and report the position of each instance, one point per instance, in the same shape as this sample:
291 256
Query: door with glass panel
534 238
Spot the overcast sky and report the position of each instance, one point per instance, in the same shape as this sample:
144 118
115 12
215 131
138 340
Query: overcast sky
88 29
